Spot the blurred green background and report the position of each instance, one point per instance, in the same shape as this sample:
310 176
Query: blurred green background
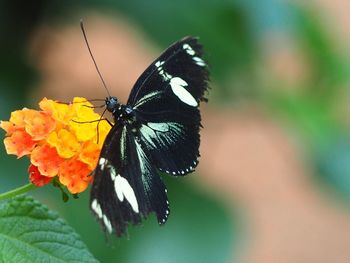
281 58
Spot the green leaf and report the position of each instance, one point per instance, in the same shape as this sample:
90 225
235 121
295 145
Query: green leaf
29 232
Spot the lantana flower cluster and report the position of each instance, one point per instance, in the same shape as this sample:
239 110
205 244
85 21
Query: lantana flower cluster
60 140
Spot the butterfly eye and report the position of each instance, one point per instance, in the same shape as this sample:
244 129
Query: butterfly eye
112 104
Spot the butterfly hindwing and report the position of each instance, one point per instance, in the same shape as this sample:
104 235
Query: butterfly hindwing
173 145
166 99
126 187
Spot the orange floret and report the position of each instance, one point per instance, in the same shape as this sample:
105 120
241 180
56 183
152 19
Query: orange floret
65 143
17 117
83 113
36 178
46 159
19 143
61 112
89 154
75 175
9 127
38 124
103 129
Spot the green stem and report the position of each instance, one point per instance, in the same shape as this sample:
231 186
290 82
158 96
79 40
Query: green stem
20 190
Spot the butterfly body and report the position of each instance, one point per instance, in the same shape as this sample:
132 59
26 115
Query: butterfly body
123 114
157 130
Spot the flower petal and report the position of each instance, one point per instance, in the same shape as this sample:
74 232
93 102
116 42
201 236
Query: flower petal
85 131
46 159
90 154
18 116
9 127
39 124
59 111
36 178
103 129
20 143
75 175
65 142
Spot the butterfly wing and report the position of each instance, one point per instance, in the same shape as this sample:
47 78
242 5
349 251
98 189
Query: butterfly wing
166 99
126 187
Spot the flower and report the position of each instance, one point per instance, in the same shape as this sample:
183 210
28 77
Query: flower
59 139
35 177
75 174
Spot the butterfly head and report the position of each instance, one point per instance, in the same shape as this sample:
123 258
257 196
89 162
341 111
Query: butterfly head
112 104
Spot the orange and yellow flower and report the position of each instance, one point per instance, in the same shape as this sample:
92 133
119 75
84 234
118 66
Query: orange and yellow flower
57 141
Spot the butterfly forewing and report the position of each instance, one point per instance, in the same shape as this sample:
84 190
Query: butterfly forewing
166 98
183 59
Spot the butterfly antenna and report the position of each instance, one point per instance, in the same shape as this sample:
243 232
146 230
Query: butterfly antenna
93 59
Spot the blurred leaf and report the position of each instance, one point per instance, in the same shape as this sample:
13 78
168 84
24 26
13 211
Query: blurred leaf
333 165
329 68
17 20
29 232
310 118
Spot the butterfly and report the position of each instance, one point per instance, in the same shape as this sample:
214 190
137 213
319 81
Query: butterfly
156 131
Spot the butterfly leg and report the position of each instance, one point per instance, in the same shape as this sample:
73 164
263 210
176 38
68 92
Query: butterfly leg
94 107
98 131
102 119
97 127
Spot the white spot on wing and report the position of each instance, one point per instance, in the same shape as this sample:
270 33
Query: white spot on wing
123 189
95 206
156 134
159 63
188 49
112 171
177 85
149 134
147 98
142 157
102 162
112 176
161 71
162 127
108 224
199 61
123 143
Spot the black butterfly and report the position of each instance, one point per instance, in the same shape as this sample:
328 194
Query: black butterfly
156 131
